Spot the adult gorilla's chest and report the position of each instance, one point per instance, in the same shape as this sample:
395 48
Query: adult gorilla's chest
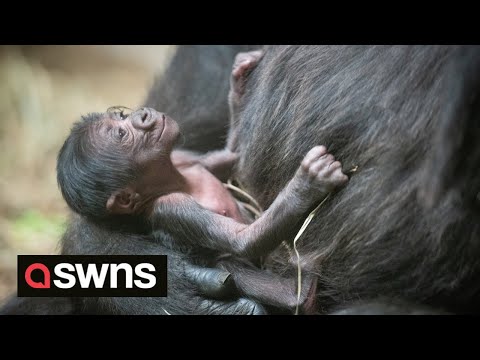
378 108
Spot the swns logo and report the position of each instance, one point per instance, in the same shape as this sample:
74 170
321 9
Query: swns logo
92 275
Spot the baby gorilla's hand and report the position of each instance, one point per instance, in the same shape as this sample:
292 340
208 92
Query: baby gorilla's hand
220 163
319 173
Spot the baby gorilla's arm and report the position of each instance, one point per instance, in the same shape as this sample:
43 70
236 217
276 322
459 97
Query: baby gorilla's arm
195 226
219 162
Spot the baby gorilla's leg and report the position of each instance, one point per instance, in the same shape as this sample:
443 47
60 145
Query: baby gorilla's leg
269 288
244 64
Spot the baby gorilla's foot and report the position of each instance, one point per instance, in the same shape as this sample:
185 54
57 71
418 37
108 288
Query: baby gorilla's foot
319 173
244 63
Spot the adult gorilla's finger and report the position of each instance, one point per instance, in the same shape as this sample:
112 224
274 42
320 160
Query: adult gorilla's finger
213 283
241 306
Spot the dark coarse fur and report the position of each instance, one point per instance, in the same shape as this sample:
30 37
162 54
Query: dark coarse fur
453 165
184 298
378 108
193 90
86 238
38 306
386 307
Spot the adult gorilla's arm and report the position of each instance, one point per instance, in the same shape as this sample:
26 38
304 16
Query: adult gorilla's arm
211 283
38 306
191 289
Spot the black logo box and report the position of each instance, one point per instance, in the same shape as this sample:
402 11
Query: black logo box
50 261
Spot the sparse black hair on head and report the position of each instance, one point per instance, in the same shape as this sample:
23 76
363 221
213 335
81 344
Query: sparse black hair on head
89 173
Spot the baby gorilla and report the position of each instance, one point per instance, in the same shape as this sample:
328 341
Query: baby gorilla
115 168
121 169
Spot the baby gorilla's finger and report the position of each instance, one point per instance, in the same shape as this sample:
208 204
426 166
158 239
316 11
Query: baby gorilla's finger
338 177
317 167
333 167
327 158
317 151
213 283
312 156
321 164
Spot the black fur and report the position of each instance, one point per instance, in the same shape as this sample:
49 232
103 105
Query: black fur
386 307
453 164
38 306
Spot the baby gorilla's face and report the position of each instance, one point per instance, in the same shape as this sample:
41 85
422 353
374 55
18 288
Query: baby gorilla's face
145 134
145 137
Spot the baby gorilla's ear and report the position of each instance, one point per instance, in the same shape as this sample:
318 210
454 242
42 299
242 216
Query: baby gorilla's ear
123 202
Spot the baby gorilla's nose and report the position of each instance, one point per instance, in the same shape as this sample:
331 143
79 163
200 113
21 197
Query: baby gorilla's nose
145 118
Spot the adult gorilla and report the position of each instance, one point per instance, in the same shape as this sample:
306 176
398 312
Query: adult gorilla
407 117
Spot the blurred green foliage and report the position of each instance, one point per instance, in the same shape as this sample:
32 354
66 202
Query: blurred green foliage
32 223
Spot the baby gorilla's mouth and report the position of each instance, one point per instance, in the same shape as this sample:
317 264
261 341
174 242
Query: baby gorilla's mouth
162 119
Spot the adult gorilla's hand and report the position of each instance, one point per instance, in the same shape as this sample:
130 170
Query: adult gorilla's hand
191 290
215 295
219 286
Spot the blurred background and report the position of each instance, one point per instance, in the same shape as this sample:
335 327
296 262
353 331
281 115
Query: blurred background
43 90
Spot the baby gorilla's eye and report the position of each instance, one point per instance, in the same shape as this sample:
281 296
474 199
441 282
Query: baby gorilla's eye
122 115
121 133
